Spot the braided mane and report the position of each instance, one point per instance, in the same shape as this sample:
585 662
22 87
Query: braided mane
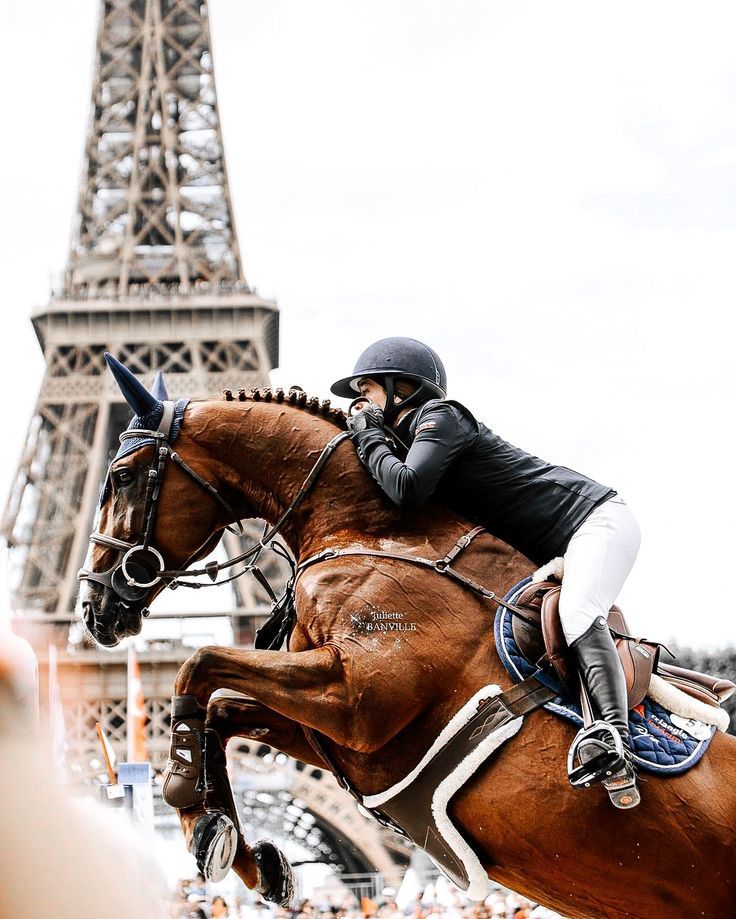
295 396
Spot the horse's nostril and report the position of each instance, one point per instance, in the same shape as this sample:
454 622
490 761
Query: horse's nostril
87 613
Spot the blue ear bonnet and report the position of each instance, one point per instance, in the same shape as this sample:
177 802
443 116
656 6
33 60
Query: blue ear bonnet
149 422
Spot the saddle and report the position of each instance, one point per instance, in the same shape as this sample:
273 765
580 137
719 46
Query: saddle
538 633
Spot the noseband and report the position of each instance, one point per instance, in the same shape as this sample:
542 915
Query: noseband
140 566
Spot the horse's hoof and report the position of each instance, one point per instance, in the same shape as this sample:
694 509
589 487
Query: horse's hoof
276 878
214 841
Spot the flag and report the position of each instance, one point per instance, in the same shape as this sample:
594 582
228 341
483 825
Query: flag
108 754
137 718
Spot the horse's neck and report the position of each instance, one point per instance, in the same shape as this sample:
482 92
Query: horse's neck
266 451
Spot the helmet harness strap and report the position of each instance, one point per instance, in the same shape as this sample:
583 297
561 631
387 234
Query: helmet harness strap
393 407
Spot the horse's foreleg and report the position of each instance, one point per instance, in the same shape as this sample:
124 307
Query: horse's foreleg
260 867
233 717
300 691
310 687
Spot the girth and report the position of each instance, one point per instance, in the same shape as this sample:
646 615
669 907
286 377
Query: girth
412 810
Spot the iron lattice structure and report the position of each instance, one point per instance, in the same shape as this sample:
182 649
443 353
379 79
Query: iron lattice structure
154 276
154 207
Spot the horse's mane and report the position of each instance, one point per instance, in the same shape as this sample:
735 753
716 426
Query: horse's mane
295 396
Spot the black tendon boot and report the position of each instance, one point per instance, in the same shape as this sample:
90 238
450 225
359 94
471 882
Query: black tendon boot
183 777
604 749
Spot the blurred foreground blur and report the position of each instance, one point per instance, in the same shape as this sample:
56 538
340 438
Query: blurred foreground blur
60 858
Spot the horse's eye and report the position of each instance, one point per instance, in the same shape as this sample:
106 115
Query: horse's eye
123 477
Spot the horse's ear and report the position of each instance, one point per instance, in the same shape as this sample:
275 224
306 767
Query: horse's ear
158 390
135 393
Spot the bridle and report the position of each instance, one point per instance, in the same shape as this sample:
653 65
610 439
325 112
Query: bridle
140 566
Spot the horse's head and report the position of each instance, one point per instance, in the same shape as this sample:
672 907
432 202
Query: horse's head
152 517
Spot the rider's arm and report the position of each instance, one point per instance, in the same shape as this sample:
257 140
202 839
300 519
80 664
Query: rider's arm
441 434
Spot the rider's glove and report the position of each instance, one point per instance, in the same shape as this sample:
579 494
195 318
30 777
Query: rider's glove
370 417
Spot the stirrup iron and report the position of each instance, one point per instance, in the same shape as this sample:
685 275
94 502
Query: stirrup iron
596 755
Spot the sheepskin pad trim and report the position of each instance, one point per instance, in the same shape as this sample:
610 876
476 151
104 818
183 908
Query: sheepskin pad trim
680 703
553 569
478 887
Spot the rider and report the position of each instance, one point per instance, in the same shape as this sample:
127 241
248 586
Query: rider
416 443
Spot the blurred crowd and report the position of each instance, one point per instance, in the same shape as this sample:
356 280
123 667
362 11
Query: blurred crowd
193 902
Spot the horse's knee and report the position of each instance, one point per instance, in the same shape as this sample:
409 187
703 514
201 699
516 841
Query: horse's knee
192 678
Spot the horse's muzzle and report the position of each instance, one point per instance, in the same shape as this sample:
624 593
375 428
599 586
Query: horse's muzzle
108 617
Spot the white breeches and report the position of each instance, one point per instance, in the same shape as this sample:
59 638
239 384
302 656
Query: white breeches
599 557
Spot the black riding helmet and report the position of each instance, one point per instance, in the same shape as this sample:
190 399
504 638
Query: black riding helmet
392 358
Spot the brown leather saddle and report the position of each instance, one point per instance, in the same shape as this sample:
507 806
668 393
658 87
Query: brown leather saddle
540 638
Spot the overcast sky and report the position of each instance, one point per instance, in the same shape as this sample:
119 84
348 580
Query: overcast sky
545 193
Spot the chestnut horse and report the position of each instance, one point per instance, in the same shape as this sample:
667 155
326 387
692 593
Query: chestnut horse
378 700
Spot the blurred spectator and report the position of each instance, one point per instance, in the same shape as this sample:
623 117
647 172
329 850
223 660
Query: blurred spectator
193 903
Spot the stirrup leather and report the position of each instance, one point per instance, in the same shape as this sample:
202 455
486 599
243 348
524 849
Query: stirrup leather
596 755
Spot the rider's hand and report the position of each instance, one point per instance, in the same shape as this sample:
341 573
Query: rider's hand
369 417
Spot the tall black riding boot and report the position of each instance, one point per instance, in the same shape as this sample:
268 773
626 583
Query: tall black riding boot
598 661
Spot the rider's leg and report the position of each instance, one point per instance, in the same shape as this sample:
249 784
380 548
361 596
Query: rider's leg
601 670
598 560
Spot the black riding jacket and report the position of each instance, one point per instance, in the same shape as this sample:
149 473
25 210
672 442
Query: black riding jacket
529 503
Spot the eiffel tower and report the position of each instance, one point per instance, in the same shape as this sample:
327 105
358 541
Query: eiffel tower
154 276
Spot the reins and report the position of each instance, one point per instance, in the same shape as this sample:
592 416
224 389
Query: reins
213 568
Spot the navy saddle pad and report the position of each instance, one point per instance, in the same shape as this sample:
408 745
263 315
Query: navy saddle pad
661 741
